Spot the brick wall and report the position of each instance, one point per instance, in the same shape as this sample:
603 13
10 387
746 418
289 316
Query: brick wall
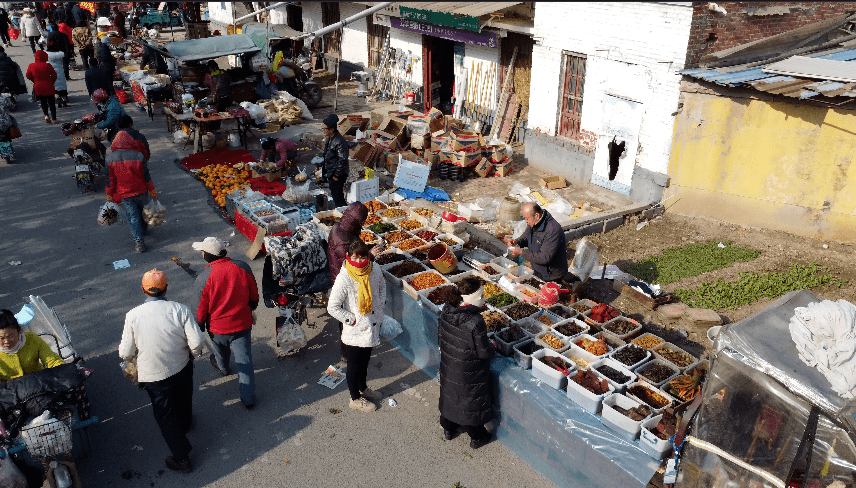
749 21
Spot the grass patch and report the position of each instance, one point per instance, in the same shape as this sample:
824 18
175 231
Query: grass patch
676 263
750 287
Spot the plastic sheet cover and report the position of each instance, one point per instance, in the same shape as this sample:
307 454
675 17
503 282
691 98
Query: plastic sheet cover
538 423
757 401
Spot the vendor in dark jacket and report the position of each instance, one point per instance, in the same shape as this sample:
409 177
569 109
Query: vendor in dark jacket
544 242
465 352
152 59
335 159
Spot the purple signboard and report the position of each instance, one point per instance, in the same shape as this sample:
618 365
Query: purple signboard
483 39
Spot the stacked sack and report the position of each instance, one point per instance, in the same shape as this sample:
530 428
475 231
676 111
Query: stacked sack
289 112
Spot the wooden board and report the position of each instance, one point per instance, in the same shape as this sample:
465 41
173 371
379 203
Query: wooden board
506 117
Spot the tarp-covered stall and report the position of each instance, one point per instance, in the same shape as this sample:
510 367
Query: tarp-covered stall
768 419
264 35
211 47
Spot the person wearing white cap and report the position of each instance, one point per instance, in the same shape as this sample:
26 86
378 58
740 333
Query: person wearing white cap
30 28
227 295
161 335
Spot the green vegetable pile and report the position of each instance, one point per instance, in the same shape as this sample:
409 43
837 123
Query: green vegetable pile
501 299
382 228
677 263
750 287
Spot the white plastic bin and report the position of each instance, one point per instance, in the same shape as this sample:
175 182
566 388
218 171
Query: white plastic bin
550 376
585 398
505 348
622 320
565 343
645 384
524 360
673 347
575 342
640 340
649 442
618 367
635 365
640 371
623 425
583 328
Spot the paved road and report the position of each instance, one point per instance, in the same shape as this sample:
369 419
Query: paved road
292 438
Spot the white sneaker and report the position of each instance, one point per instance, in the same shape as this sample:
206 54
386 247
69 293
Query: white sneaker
362 405
372 395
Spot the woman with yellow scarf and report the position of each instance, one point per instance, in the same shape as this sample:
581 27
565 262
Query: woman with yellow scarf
357 300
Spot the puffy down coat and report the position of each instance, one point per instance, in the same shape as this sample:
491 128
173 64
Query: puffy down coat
358 330
42 75
346 231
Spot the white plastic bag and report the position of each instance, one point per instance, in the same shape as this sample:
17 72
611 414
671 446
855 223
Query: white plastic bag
179 136
390 328
290 336
108 214
585 259
154 213
10 475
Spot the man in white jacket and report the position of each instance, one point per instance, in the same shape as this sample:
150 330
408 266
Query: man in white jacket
163 336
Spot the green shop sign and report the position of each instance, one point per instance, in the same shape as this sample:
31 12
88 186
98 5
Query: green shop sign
440 18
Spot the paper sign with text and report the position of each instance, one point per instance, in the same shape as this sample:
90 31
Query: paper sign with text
411 175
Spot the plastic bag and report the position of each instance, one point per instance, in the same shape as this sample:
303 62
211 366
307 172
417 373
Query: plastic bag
585 259
154 213
108 214
179 136
497 142
14 33
390 328
289 335
10 475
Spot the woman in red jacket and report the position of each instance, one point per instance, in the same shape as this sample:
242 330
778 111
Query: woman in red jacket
43 76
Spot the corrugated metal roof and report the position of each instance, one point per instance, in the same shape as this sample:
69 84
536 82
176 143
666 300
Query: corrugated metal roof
814 68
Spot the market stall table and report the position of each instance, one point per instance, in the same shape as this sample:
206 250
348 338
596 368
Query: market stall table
538 423
174 120
201 122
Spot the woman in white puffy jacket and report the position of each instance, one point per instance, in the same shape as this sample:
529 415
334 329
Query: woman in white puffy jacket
30 28
357 300
60 85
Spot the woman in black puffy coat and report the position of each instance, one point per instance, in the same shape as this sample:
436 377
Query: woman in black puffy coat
465 352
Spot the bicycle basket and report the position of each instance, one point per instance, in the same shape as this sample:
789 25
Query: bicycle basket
48 439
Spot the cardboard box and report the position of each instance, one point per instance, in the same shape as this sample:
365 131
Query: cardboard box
503 168
553 182
349 125
367 153
363 190
465 158
272 176
436 120
391 162
484 167
496 153
402 116
439 139
375 119
385 141
451 122
446 156
466 139
420 142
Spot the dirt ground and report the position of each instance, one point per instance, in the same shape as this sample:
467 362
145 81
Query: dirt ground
779 251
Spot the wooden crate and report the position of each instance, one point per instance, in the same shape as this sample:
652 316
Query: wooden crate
643 299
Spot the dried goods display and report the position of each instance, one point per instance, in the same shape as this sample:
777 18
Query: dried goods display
533 282
616 376
553 341
417 255
491 289
668 425
495 321
330 220
687 386
679 358
528 293
410 224
382 227
426 235
374 206
657 373
649 396
582 363
569 329
561 311
532 328
449 241
265 213
590 381
256 204
500 300
630 355
372 219
393 213
529 348
395 237
404 269
368 237
511 334
544 320
648 341
596 347
620 327
389 258
520 310
411 244
635 413
443 294
581 307
603 313
456 271
426 280
555 362
611 340
425 212
490 270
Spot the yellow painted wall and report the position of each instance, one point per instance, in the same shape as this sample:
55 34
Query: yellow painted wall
775 165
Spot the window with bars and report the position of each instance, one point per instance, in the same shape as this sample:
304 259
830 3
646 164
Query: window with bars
573 79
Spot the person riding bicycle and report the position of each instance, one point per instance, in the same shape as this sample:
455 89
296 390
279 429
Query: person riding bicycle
112 111
22 352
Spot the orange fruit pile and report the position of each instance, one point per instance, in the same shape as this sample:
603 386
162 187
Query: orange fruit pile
223 179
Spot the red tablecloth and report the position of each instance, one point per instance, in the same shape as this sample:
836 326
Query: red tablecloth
266 187
248 229
215 155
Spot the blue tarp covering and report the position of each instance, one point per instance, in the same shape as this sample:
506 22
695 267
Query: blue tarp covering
538 423
431 194
211 47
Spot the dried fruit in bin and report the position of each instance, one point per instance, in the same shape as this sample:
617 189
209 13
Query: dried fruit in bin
544 320
657 373
679 358
533 282
382 227
396 237
368 237
556 363
374 206
621 327
426 280
568 330
630 355
560 311
389 258
449 241
635 413
393 213
616 376
511 334
494 321
687 386
410 224
371 220
596 347
411 244
552 341
500 300
425 212
668 425
426 235
490 270
529 348
580 362
491 289
603 313
590 381
443 294
649 396
647 341
405 269
581 307
520 310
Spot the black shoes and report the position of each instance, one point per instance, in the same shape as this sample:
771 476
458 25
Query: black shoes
477 443
183 466
448 434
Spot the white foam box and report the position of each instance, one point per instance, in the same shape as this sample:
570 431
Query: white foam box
549 376
617 366
635 365
649 442
621 424
584 398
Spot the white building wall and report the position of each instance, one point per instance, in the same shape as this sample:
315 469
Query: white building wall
311 16
220 12
410 42
479 54
632 50
355 44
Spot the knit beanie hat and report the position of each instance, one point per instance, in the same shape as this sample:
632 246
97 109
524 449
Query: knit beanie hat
331 121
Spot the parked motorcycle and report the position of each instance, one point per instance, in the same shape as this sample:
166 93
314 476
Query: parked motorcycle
87 152
301 84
